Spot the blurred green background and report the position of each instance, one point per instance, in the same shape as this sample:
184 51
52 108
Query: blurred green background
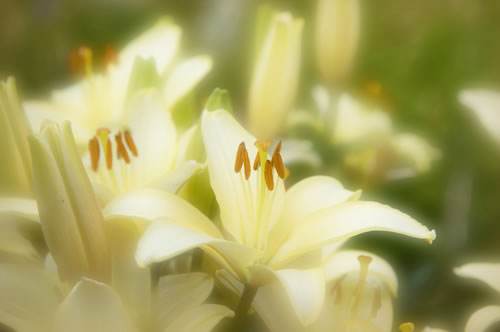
420 52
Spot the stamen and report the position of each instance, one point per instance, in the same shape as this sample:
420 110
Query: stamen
256 162
130 143
364 261
109 155
277 162
94 153
246 163
277 149
268 175
262 145
239 157
377 302
407 327
121 150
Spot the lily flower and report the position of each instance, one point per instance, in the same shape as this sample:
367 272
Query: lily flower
488 273
264 230
486 105
275 77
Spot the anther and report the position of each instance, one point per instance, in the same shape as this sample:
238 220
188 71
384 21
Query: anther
268 175
109 155
120 148
239 157
130 143
246 164
277 162
94 153
256 162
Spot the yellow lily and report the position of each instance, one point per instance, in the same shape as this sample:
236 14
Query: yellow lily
264 231
275 77
485 104
488 273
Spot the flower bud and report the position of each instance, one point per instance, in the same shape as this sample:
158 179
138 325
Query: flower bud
337 37
71 220
15 172
275 76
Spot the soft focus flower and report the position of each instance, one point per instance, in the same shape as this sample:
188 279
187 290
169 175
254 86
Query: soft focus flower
486 105
15 170
275 76
337 37
265 231
488 273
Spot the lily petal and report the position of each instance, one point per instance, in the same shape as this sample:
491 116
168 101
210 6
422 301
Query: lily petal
483 318
347 220
20 207
92 306
29 298
486 105
150 204
173 181
305 288
346 262
14 244
184 77
487 273
179 293
163 240
202 318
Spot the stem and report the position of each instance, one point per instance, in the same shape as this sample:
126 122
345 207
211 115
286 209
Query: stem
241 312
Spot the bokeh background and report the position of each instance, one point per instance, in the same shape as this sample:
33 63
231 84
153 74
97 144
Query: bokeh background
420 54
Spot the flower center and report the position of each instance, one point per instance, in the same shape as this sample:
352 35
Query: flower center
112 161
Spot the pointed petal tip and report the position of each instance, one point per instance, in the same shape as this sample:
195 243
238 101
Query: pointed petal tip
431 236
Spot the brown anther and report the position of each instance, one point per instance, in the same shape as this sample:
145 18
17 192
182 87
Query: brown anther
377 302
277 163
268 175
277 148
94 153
239 157
256 161
109 154
246 163
120 148
130 143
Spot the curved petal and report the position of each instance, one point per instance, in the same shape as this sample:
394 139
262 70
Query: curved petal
346 262
150 204
486 105
92 306
184 77
347 220
20 207
487 273
238 198
202 318
179 293
14 242
305 289
173 181
480 320
432 329
29 297
163 240
154 134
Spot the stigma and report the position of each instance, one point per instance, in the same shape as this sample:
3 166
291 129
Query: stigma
242 162
102 146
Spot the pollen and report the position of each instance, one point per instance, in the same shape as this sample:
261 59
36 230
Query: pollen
268 175
101 144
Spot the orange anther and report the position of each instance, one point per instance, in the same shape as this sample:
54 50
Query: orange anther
256 162
120 148
246 163
109 154
268 175
94 153
130 143
239 157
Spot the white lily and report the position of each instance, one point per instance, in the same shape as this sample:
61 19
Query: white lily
275 77
264 231
486 105
337 37
489 273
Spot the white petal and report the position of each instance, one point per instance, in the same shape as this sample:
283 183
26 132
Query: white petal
20 207
480 320
347 220
14 241
487 273
150 204
179 293
159 42
184 77
154 134
237 197
163 240
346 261
432 329
486 105
202 318
29 298
92 306
173 181
305 289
